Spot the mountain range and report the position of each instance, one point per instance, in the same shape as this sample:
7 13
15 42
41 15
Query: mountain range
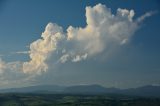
144 91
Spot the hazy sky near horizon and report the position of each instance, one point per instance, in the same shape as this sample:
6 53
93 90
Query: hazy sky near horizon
114 43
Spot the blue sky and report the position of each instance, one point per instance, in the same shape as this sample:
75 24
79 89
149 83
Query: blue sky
135 64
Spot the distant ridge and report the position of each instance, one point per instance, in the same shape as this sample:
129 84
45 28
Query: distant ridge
90 89
37 88
145 91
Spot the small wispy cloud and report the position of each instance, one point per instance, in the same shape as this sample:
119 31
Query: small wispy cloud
146 15
79 58
22 52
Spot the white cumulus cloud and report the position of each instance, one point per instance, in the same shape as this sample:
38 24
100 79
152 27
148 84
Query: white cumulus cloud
104 31
41 49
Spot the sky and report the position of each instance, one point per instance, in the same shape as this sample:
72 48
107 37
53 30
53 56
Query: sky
113 43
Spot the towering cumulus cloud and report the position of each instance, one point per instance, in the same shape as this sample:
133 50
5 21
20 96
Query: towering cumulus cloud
41 49
103 32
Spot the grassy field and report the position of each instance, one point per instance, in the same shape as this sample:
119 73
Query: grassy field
73 100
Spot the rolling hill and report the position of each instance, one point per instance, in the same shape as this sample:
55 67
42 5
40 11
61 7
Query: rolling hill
144 91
